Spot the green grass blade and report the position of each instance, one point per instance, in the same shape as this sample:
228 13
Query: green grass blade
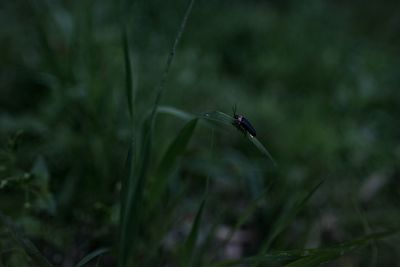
134 193
287 218
25 243
274 256
171 55
167 221
243 219
128 72
310 257
126 181
91 256
190 243
320 256
181 114
127 187
134 198
218 116
246 215
174 150
367 229
261 147
316 260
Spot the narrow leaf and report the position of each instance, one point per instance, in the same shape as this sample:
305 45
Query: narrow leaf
310 257
168 162
261 147
128 72
176 112
246 215
192 238
320 256
287 218
134 193
218 116
127 187
91 256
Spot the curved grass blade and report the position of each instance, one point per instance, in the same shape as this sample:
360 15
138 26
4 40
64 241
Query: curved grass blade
128 72
316 260
261 147
310 257
167 221
163 81
367 229
246 215
175 149
287 218
226 119
176 112
127 193
271 257
181 114
320 256
218 116
134 198
91 256
192 238
25 243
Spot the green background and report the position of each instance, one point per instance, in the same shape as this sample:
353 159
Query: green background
317 79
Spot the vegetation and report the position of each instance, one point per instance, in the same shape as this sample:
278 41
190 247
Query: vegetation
117 146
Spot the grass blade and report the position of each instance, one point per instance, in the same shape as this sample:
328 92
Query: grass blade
261 147
91 256
134 193
128 72
320 256
132 208
175 149
171 56
246 215
126 205
310 257
287 218
192 238
218 116
176 112
25 244
316 260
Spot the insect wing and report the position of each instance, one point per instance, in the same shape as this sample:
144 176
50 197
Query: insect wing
247 125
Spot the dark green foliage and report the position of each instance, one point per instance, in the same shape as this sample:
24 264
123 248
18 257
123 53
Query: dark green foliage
28 247
106 111
311 257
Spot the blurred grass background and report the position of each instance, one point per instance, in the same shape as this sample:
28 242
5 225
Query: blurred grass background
318 80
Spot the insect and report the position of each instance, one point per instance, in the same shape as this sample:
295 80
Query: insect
243 124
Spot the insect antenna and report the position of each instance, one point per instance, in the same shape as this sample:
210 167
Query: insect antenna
234 110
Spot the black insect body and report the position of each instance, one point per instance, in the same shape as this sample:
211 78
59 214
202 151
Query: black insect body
243 124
